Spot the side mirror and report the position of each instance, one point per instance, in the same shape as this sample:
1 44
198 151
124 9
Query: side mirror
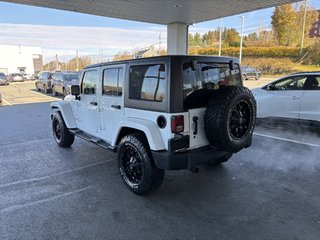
270 87
231 65
194 65
75 91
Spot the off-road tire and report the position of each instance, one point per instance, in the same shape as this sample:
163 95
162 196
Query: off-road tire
61 134
45 89
151 176
54 93
220 123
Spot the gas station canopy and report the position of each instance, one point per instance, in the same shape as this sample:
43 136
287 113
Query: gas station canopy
176 14
159 11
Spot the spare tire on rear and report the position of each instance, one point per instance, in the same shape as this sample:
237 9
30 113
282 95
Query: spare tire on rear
229 119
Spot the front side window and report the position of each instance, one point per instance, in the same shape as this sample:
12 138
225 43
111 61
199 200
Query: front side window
69 77
148 82
112 82
291 83
89 82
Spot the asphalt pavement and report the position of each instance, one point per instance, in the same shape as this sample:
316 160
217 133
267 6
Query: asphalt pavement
268 191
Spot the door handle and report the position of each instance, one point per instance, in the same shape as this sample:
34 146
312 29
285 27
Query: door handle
94 103
295 98
116 106
195 122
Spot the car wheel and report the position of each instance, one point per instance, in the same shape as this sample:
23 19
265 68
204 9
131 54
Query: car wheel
64 93
54 93
244 77
229 119
136 165
61 133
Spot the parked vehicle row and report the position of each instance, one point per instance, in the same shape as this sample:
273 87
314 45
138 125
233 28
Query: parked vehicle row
57 83
13 77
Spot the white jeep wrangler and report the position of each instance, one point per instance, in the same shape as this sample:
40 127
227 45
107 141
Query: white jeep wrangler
161 113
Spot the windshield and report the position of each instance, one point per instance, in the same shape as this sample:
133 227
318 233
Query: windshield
17 75
209 76
2 76
71 76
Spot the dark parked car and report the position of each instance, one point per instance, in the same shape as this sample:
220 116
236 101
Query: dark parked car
3 79
44 82
62 82
250 72
16 77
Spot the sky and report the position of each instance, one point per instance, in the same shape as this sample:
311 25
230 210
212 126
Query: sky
62 32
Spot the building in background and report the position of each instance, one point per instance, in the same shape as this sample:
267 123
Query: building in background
20 59
315 30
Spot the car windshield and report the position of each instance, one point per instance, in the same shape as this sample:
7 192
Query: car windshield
70 76
209 76
2 76
17 75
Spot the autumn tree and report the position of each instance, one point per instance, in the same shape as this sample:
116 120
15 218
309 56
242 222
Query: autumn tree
231 37
122 56
284 24
311 18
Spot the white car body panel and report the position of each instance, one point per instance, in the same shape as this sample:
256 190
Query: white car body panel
67 113
300 104
278 103
199 139
310 105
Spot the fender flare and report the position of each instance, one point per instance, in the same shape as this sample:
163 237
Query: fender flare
65 109
149 128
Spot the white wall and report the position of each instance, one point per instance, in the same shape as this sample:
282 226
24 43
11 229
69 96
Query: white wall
12 57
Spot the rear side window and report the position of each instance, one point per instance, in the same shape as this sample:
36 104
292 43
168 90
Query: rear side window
89 82
112 82
209 76
147 82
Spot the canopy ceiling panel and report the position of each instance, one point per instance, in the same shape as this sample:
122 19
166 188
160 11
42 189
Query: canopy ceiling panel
158 11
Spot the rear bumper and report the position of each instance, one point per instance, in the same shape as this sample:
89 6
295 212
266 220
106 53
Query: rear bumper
186 160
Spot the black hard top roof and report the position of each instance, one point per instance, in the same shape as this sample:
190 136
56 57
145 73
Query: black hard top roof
137 60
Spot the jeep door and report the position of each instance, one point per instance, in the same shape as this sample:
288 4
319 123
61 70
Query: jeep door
111 101
88 120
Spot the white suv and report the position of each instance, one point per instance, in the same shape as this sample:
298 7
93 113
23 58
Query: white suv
161 113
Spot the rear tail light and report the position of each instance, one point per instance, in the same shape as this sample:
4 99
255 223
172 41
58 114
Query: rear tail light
177 124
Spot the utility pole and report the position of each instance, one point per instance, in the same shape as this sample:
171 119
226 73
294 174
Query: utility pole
220 37
303 25
241 39
159 43
57 63
77 57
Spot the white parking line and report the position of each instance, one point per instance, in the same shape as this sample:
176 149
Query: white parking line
56 174
287 140
31 204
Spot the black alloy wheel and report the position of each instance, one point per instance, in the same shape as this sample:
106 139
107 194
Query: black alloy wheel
132 165
136 166
240 119
61 133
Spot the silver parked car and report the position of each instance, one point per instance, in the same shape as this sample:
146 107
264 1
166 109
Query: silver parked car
16 77
3 79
